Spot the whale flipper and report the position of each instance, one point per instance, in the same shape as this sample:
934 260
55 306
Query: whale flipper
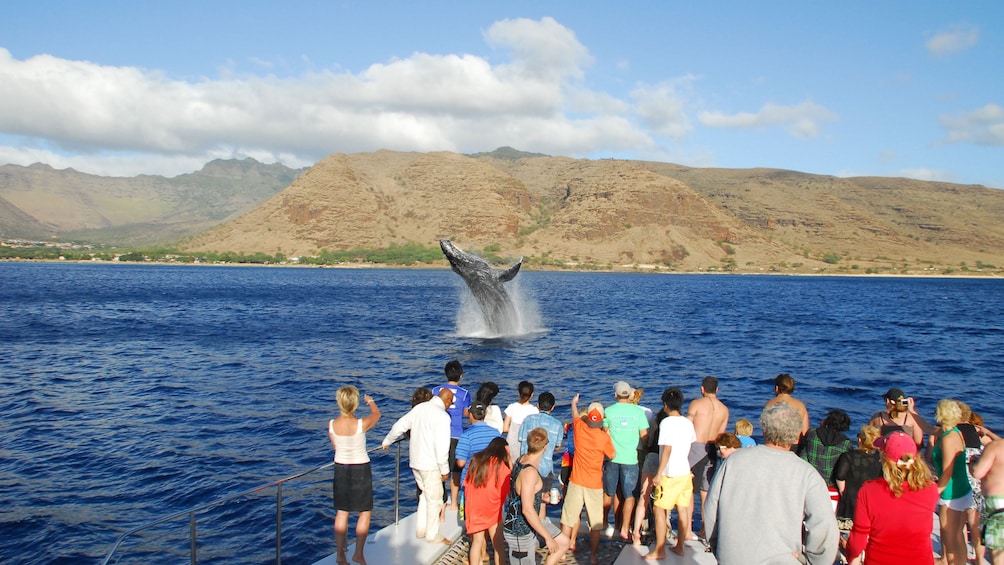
510 273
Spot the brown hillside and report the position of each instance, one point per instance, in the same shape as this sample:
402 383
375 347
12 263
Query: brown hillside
624 214
903 220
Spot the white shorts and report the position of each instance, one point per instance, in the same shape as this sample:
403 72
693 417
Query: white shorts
960 504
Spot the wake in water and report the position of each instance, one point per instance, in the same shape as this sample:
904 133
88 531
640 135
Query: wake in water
471 319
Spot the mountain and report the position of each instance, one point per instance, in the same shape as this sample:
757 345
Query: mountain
141 210
624 214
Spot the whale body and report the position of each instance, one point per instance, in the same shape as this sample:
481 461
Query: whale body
486 284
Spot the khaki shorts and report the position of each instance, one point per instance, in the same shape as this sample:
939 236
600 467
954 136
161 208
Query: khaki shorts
674 491
577 497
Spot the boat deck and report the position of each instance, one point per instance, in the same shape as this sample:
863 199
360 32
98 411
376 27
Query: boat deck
398 544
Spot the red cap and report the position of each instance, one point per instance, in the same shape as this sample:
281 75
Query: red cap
896 445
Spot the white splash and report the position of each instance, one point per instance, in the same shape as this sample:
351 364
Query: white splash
471 322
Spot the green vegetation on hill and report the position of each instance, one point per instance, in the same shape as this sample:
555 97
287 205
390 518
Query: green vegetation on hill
407 254
507 154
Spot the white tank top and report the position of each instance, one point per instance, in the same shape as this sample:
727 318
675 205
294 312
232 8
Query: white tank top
350 450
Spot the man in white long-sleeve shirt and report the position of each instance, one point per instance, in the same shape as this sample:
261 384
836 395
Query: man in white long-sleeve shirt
767 506
428 457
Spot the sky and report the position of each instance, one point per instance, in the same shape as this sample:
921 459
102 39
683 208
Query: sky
120 88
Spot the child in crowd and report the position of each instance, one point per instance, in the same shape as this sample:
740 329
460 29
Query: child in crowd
744 431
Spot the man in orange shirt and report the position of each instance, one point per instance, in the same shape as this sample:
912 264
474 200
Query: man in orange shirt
585 485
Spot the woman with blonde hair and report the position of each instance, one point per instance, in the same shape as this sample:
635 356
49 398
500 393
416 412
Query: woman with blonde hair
352 486
949 458
892 518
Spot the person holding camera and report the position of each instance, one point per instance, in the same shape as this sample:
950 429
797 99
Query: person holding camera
900 415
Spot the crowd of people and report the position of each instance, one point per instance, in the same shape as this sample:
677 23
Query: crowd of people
806 495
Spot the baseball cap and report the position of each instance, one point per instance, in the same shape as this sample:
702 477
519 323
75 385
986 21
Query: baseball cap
896 445
894 394
622 389
594 417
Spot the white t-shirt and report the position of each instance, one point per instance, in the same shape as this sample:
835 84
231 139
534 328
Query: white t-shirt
677 432
518 412
493 417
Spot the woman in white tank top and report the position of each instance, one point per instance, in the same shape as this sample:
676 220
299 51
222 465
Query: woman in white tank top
353 480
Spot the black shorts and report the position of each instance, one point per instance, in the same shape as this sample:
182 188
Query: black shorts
352 487
453 455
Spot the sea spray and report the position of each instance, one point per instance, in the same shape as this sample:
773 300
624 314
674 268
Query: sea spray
471 321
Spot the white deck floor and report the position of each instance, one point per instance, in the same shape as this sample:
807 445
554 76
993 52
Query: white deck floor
693 555
397 544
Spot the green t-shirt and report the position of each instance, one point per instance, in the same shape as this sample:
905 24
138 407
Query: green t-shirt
625 420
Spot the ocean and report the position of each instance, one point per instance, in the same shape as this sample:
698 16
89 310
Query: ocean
135 391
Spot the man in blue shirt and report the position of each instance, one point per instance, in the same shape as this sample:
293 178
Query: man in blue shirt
457 411
475 438
555 431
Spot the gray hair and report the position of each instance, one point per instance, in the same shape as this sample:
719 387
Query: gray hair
781 424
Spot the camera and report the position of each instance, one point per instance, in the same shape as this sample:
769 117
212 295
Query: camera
904 401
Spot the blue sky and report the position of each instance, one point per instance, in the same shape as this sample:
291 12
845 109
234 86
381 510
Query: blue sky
911 89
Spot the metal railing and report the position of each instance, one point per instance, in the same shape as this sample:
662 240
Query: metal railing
192 513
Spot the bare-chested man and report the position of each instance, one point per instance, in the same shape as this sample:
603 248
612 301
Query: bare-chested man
710 418
784 385
989 468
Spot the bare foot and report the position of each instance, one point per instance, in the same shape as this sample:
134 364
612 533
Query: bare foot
677 549
441 540
341 559
636 538
625 535
653 556
359 558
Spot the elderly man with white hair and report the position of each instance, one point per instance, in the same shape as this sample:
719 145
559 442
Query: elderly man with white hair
767 506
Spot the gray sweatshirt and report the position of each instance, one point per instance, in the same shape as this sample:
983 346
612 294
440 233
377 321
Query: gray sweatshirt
755 510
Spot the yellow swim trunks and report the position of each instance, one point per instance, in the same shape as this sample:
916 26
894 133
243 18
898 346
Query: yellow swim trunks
674 491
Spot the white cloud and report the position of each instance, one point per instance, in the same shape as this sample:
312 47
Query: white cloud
956 39
97 118
801 121
923 173
982 126
662 107
542 49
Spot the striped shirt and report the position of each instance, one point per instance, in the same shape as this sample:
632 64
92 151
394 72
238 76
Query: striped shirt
474 439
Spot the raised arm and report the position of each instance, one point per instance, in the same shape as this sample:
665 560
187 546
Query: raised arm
374 415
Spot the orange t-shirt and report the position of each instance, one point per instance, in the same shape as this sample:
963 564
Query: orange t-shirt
591 445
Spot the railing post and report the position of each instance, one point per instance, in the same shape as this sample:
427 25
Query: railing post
397 485
193 537
278 525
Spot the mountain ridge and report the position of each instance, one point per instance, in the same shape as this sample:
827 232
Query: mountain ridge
556 211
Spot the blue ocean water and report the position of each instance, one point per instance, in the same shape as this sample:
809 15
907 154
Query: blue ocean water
132 391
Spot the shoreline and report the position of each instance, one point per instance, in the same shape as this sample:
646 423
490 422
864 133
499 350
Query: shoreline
642 270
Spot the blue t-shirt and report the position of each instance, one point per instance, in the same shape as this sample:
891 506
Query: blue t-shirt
461 402
554 431
475 439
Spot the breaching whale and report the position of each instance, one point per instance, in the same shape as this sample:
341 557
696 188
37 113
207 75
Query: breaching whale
485 284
